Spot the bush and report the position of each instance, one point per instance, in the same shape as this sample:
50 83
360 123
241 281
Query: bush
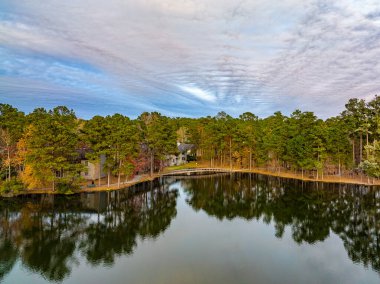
12 186
371 168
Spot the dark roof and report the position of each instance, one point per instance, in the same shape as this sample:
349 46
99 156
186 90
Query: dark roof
183 147
83 151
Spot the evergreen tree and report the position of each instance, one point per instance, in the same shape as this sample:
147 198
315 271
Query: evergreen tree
96 134
158 137
51 155
12 123
123 143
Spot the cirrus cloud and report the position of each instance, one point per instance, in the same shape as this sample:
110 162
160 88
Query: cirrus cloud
189 57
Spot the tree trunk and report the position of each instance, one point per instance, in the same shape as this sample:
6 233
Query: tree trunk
367 154
108 178
100 169
118 175
230 154
250 158
9 163
151 163
361 146
339 168
353 152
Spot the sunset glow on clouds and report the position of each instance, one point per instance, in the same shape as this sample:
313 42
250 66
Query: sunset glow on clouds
189 57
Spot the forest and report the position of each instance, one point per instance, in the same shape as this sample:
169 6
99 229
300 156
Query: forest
41 149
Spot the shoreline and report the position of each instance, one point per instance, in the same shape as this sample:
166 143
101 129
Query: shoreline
284 174
329 179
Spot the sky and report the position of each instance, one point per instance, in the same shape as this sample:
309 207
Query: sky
189 57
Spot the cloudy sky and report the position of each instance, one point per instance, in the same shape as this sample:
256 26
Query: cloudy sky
189 57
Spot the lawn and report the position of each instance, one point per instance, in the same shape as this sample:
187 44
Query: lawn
184 166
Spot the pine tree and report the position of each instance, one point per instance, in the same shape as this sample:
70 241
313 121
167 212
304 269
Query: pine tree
158 136
51 156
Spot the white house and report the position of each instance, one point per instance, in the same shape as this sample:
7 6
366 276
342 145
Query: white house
92 170
184 152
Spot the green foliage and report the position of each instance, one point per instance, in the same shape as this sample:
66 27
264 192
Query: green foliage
272 138
337 140
66 187
12 124
158 133
304 146
13 120
51 143
12 186
158 136
122 144
371 166
95 134
43 147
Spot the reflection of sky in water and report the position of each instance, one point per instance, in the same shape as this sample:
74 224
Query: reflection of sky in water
198 248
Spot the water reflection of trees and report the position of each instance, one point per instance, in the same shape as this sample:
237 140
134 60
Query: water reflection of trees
311 210
47 233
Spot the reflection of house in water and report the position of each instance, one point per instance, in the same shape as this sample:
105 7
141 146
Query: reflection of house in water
92 170
48 199
186 153
95 201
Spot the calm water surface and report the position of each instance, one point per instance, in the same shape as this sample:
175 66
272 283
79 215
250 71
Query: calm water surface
237 228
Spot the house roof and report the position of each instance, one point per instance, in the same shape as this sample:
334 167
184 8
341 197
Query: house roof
183 147
82 152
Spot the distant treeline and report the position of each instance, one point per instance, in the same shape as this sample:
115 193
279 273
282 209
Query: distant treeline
41 149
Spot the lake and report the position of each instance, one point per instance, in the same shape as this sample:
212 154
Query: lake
226 228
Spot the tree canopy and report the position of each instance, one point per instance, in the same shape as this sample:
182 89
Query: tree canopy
40 149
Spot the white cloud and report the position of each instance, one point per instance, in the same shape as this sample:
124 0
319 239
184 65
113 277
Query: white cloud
199 93
259 56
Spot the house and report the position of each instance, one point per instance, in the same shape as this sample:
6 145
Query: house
92 170
184 155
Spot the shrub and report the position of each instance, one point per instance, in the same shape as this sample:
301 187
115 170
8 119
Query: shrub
11 186
371 168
